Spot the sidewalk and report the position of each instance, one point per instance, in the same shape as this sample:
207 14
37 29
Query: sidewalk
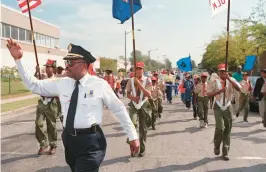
18 98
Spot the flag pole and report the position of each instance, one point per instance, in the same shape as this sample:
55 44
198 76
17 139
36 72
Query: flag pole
33 39
227 45
133 34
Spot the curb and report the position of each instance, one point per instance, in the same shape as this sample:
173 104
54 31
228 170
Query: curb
20 110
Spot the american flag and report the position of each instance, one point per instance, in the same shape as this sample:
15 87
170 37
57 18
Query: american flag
32 3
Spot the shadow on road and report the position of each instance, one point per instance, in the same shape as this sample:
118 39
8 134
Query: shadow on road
55 169
255 168
177 110
18 135
30 134
256 140
115 135
14 122
124 159
115 123
187 130
6 161
118 128
175 121
185 167
246 134
242 124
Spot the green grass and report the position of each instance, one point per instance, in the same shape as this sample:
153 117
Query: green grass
17 88
18 104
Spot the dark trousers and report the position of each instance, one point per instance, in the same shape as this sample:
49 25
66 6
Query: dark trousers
169 92
195 106
84 153
124 92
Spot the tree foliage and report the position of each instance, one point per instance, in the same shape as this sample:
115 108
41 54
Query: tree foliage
7 71
150 64
247 37
193 63
168 64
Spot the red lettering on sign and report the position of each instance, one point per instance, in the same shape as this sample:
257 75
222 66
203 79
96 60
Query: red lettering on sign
223 1
214 5
219 3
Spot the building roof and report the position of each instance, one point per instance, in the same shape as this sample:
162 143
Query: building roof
26 15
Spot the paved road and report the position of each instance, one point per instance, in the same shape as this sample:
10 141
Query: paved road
19 98
177 145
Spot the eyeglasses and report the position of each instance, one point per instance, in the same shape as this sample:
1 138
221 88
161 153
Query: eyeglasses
71 63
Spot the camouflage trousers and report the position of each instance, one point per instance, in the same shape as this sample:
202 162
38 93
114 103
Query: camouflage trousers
141 119
49 114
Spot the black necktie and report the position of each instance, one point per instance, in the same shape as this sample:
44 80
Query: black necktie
72 110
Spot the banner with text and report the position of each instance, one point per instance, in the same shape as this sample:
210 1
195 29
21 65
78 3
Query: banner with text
218 6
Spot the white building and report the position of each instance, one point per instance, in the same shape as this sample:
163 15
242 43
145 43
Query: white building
16 25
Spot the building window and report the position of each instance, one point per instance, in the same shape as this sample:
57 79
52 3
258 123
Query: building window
52 42
28 36
14 32
22 34
5 30
43 40
37 38
47 41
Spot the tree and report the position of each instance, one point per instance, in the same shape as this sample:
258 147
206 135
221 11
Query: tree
7 71
248 37
121 57
193 63
150 64
168 64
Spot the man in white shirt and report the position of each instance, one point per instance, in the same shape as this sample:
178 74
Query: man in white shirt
82 109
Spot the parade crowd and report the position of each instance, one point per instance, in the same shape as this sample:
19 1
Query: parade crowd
78 99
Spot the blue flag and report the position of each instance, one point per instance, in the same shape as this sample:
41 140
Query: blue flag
250 62
122 9
184 64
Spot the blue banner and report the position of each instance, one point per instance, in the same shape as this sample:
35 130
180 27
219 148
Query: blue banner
250 62
184 64
122 9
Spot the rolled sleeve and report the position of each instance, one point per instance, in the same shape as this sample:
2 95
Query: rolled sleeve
119 109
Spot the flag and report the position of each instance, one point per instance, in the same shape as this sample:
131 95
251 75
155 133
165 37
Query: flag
218 6
184 64
32 4
122 9
250 62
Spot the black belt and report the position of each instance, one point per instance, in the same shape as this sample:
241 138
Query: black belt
93 129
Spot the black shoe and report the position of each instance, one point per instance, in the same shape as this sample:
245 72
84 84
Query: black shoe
262 121
237 114
142 154
245 120
160 116
216 151
153 127
225 157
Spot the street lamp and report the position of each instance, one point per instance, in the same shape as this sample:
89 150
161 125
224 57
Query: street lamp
149 52
126 47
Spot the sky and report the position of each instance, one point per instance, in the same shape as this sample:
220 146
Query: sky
176 28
